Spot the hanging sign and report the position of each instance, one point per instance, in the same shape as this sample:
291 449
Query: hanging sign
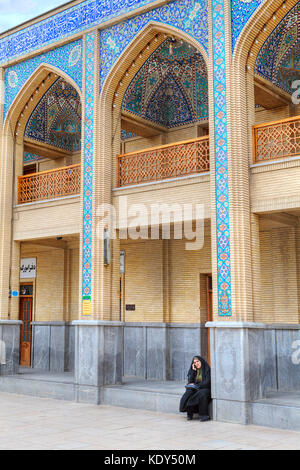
28 268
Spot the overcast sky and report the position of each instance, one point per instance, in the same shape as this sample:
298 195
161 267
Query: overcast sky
15 12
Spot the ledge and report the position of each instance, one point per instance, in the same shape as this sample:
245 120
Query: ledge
96 323
137 324
252 325
48 202
51 323
202 177
11 322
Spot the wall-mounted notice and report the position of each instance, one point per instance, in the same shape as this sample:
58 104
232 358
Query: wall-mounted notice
28 268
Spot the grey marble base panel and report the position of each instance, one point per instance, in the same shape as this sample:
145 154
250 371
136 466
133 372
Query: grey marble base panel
53 346
105 351
10 338
162 351
249 361
158 351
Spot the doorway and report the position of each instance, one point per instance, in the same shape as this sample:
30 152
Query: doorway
26 297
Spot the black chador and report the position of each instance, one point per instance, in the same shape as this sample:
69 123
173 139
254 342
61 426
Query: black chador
197 395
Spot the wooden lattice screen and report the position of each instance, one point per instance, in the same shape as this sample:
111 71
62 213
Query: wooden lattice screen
49 184
164 162
278 139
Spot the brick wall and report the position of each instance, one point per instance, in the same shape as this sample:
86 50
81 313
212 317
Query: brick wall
279 280
144 280
49 285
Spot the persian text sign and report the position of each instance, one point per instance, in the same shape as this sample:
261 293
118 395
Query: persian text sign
28 268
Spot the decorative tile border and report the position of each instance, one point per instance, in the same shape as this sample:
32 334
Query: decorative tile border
63 25
190 16
67 58
88 170
241 12
221 161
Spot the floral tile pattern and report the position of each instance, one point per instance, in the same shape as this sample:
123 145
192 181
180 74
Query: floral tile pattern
67 58
171 88
190 16
279 57
56 120
221 161
241 12
62 25
88 166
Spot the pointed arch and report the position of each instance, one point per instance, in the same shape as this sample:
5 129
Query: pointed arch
107 139
258 29
139 42
119 78
172 72
29 96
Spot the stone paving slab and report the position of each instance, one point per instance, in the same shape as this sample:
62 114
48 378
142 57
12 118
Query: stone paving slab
39 423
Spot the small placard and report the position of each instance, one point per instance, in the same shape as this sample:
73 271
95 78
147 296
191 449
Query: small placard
130 308
86 307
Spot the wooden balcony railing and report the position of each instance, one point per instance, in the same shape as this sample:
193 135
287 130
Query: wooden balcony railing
49 184
164 162
278 139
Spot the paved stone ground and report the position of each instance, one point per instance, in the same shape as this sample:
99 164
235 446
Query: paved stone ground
38 423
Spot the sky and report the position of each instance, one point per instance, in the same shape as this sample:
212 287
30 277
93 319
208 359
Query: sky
15 12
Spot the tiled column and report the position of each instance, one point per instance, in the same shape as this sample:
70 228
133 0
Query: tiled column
220 164
98 340
231 152
89 98
237 350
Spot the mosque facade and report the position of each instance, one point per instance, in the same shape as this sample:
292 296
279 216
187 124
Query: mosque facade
111 111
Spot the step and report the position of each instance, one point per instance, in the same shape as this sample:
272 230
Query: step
279 410
151 395
40 384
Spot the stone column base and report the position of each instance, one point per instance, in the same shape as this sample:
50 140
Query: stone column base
98 358
248 360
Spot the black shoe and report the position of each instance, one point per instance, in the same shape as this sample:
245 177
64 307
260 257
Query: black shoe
204 418
189 416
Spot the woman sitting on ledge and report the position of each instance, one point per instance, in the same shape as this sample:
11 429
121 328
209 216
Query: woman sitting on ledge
197 395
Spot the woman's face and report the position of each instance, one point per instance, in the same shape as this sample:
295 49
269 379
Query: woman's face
197 363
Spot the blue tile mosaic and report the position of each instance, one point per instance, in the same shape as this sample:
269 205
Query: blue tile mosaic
241 12
190 16
67 58
62 25
31 157
56 120
171 87
279 58
221 161
88 166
